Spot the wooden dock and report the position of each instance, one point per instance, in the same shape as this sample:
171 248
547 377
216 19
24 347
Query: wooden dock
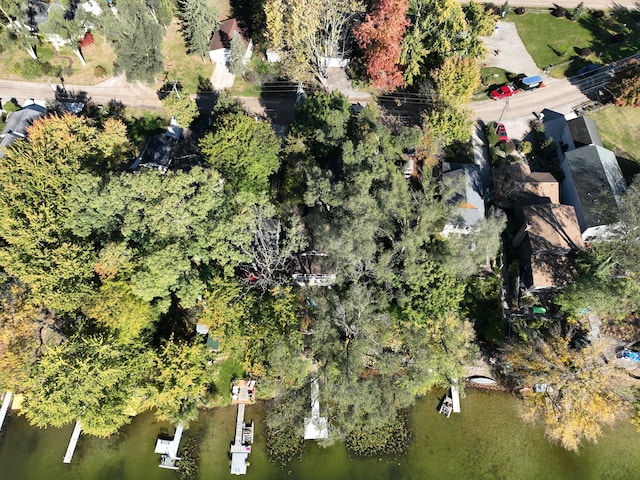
455 398
6 405
72 443
243 394
315 427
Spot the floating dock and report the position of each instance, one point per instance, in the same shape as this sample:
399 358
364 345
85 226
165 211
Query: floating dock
6 405
315 427
169 449
72 443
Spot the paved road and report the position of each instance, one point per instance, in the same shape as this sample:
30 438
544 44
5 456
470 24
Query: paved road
136 95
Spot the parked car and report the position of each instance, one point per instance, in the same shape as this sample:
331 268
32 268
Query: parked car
503 91
529 83
588 70
502 133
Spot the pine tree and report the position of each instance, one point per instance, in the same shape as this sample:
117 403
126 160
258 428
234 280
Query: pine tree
199 21
237 53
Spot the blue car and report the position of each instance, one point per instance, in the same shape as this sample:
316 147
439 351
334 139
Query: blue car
589 69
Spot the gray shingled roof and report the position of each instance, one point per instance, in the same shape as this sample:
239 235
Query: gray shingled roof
17 123
584 132
598 181
463 192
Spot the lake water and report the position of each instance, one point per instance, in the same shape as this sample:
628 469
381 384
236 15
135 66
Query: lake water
486 441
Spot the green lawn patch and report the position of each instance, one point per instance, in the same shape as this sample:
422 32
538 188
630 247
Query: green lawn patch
620 131
242 88
550 40
228 370
189 70
554 41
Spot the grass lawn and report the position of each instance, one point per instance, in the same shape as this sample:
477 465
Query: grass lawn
242 88
64 62
620 130
223 7
553 41
188 69
489 76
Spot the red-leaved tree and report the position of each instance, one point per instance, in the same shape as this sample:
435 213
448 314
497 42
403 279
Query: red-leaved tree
380 36
626 85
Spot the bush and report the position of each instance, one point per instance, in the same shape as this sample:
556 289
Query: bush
10 106
99 71
525 148
558 12
30 69
597 13
519 10
584 52
618 38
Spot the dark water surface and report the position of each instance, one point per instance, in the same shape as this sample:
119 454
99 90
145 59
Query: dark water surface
486 441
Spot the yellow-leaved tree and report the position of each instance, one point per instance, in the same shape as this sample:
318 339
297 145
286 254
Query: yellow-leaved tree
573 390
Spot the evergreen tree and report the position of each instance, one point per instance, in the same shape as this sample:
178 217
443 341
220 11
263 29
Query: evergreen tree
237 53
136 35
199 21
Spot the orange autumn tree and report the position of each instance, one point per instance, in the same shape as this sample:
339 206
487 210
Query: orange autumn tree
380 36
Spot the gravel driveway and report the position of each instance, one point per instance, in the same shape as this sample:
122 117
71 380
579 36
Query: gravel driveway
513 56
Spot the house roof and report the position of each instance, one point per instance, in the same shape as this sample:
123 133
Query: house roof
462 192
598 181
584 132
17 124
529 187
221 38
552 227
549 271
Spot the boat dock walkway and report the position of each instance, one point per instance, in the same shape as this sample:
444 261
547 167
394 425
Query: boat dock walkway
239 427
6 404
315 427
72 443
243 393
455 398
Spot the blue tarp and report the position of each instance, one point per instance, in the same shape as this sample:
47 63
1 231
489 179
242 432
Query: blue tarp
630 354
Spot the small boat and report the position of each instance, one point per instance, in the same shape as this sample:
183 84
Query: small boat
446 407
480 380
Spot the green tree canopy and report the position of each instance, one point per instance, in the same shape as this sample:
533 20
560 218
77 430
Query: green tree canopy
244 150
181 106
36 179
93 379
136 34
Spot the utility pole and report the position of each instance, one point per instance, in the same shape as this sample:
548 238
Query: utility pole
506 105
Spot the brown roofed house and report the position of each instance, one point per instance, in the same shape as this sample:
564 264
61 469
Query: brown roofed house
220 45
517 185
546 242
